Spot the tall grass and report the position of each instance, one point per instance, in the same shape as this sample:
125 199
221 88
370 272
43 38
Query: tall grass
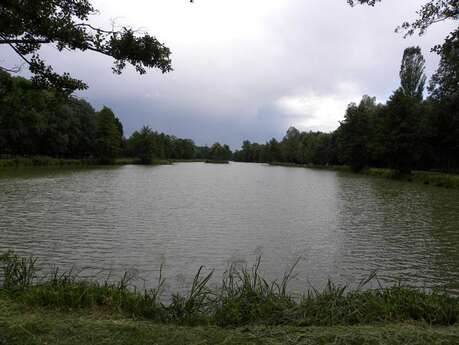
244 297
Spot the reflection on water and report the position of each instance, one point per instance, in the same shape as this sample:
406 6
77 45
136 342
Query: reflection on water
343 226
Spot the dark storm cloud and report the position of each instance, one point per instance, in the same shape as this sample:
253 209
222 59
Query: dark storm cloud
249 70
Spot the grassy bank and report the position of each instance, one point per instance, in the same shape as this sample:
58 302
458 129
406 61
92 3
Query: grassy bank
58 308
438 179
45 161
23 325
243 298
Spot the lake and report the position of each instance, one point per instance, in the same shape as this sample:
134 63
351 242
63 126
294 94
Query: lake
342 226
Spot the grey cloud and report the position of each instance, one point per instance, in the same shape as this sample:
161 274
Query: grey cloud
230 89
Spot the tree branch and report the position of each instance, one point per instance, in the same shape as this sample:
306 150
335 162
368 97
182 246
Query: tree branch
22 41
17 51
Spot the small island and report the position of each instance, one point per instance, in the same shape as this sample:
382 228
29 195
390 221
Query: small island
216 161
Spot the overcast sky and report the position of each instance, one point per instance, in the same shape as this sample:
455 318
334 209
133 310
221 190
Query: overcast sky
249 69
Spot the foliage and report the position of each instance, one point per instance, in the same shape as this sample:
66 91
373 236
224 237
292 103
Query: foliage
142 145
355 129
26 25
108 136
220 152
445 82
404 134
41 122
412 75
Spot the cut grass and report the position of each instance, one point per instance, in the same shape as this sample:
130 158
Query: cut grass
22 325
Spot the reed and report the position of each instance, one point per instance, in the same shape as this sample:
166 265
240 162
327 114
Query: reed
243 298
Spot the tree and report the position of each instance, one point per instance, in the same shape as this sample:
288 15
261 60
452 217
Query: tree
108 136
412 75
292 146
220 152
274 149
445 81
26 25
142 144
401 126
354 133
444 98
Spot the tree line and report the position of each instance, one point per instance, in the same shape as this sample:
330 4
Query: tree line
37 121
407 132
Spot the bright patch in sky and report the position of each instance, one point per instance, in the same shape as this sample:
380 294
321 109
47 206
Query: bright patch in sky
320 112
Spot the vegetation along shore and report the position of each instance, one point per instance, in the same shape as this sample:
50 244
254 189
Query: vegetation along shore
438 179
36 308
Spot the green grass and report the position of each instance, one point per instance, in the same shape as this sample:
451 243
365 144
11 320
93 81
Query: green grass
24 325
243 298
246 309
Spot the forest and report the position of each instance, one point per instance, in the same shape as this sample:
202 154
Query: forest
408 132
38 121
416 129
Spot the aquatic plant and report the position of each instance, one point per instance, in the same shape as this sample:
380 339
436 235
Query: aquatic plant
244 297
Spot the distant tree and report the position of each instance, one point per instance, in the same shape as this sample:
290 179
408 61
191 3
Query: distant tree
412 75
142 145
108 136
275 152
402 115
202 152
26 25
292 146
355 132
220 152
183 149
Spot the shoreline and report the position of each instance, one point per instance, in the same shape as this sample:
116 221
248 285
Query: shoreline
46 161
437 179
243 309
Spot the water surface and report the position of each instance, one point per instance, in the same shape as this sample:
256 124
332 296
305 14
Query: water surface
342 226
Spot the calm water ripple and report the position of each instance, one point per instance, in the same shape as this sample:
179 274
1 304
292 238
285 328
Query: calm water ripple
343 226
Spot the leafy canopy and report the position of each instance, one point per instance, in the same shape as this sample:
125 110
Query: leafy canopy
27 25
412 75
445 81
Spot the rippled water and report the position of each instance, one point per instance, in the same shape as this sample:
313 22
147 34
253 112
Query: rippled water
343 226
